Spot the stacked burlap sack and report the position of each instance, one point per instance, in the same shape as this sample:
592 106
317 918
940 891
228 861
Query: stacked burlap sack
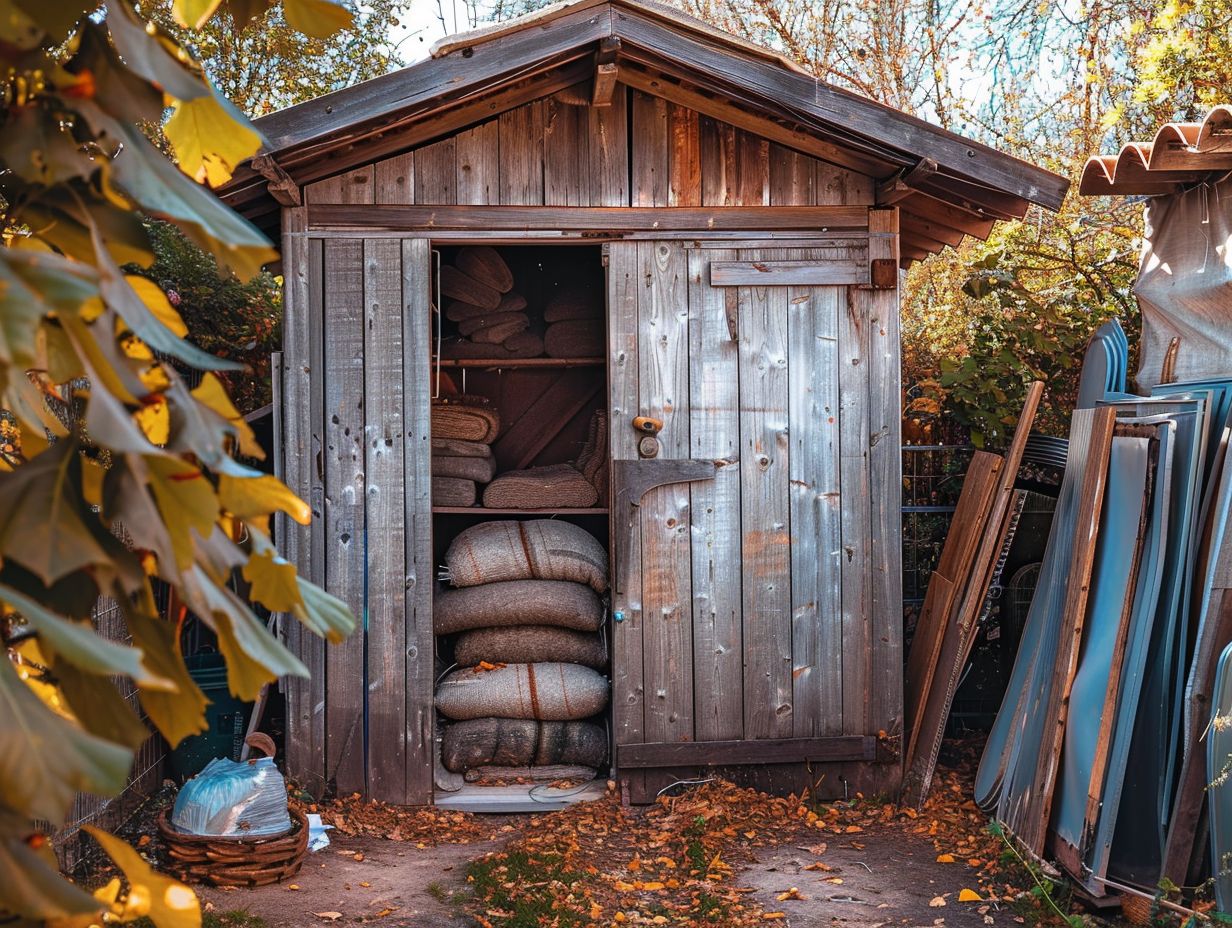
575 321
579 484
525 607
491 318
463 429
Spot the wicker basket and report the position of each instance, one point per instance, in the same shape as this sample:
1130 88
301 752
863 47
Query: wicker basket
235 861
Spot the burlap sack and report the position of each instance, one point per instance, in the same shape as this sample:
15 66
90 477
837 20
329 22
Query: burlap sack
548 774
464 420
522 345
510 303
457 448
573 304
592 462
487 320
558 486
521 743
486 265
452 491
517 602
501 332
550 692
576 338
539 549
528 644
458 285
480 470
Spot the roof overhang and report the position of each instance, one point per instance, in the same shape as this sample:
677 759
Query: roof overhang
945 186
1180 156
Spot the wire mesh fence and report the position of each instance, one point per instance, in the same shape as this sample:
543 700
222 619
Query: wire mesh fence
932 480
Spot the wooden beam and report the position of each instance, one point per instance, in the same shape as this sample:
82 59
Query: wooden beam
598 219
788 273
606 70
835 748
281 187
545 417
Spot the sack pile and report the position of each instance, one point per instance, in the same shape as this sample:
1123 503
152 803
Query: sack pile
491 318
576 485
525 607
463 429
575 325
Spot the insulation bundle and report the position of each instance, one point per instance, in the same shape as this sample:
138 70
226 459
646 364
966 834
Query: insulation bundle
540 549
529 644
454 491
573 304
538 774
460 286
485 265
458 311
549 692
517 602
522 345
464 418
521 743
560 486
480 470
575 338
592 462
456 447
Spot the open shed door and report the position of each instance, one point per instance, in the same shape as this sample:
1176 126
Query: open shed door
758 612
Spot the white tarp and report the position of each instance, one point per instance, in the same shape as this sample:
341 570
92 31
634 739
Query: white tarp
1184 285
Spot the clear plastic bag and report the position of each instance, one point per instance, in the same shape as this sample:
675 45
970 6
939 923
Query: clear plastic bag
234 799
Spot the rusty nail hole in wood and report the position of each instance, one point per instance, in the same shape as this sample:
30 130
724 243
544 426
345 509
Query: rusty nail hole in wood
468 53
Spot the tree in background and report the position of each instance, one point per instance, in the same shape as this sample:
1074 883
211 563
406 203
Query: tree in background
148 459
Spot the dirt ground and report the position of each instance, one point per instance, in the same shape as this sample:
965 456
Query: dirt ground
887 878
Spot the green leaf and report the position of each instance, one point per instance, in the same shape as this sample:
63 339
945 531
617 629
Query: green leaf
99 707
317 18
42 516
168 903
194 14
177 714
33 888
79 644
45 759
208 142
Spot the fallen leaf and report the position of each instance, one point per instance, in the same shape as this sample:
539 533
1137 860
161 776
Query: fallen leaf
836 880
293 886
359 857
365 884
969 895
945 858
936 902
771 916
331 916
818 865
791 894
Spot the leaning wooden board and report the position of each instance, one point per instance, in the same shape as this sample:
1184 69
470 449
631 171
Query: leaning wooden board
959 633
946 586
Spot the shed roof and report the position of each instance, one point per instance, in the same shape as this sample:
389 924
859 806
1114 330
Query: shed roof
945 185
1182 154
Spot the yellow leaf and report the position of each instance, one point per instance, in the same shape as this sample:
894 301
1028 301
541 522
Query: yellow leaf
969 895
213 395
945 858
208 142
155 421
317 18
194 13
274 582
156 301
186 500
168 903
252 498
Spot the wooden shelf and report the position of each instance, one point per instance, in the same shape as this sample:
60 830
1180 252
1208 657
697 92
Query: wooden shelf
485 511
521 362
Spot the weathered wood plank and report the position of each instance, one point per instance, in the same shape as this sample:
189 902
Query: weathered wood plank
609 151
714 434
385 518
684 187
316 375
825 271
344 506
885 686
478 164
793 177
566 153
765 751
427 218
417 496
649 160
305 726
352 187
521 155
718 162
395 179
436 172
815 503
752 169
623 372
765 545
523 438
667 620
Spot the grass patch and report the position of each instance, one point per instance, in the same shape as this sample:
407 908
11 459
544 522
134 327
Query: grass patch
516 884
236 918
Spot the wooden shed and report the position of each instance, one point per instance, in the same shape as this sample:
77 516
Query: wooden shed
742 226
